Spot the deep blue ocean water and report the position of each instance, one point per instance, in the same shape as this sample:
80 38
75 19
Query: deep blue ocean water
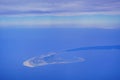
20 44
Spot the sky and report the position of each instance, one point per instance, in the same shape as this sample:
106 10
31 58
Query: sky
88 29
70 7
42 13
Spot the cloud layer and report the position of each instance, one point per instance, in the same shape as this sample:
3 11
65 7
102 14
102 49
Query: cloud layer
83 21
59 7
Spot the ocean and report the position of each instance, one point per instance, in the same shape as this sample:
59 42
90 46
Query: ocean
20 44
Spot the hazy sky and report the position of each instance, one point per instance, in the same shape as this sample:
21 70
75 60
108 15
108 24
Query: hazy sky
80 13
